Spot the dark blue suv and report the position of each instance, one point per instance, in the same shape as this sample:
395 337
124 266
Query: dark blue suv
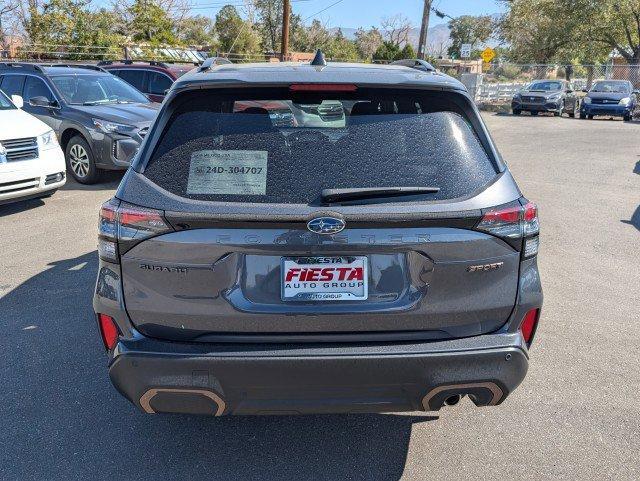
100 120
613 98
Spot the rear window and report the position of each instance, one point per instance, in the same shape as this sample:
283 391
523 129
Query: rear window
282 147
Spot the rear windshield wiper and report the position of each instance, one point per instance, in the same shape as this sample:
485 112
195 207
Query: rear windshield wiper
338 195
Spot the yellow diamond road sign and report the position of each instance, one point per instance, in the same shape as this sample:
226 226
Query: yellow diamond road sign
488 54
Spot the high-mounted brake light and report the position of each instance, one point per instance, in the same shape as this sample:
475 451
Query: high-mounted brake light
514 222
323 88
125 223
108 331
529 325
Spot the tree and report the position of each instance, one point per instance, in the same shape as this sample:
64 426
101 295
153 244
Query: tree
341 48
70 26
367 42
7 9
537 30
197 30
396 29
617 27
270 23
235 34
471 30
150 23
387 52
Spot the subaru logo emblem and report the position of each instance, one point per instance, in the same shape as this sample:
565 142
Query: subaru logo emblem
326 225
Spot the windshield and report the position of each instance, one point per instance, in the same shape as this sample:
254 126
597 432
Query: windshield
96 89
5 103
613 87
287 149
545 86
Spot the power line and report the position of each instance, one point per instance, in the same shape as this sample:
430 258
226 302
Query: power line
323 10
212 6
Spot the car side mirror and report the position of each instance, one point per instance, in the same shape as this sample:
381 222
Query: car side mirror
585 91
41 101
17 101
569 91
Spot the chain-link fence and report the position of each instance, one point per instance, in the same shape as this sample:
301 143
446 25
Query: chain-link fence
500 81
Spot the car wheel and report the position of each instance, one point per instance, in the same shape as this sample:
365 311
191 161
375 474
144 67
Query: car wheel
560 110
534 113
628 118
517 112
583 116
80 161
590 117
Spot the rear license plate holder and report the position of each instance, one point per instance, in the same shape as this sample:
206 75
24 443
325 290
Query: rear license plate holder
324 278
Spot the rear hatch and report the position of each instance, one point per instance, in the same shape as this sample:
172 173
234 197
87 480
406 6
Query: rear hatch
281 230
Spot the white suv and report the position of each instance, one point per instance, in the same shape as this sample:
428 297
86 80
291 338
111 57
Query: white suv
31 161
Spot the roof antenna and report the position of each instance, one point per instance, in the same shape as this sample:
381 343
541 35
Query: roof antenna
319 60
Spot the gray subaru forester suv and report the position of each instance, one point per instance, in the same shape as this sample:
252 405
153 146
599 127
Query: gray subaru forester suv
321 238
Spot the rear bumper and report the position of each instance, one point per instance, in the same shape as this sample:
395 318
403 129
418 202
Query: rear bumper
222 379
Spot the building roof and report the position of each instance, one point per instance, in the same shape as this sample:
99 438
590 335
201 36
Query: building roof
290 73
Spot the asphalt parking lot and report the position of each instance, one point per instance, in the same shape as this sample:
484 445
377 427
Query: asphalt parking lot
575 416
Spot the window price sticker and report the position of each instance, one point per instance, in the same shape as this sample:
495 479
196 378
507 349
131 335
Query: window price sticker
228 172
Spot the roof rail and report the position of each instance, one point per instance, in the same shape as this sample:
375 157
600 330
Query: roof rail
212 62
71 65
153 63
32 66
415 63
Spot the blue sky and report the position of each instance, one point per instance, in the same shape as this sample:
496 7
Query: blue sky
363 13
366 13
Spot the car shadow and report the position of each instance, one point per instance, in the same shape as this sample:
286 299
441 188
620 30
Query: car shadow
66 421
635 218
109 180
20 206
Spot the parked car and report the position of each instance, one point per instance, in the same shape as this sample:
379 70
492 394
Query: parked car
557 96
151 78
31 161
383 261
99 119
614 98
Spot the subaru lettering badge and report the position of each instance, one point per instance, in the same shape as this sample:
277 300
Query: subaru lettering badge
326 225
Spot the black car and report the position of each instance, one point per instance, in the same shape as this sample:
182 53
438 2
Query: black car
556 96
100 120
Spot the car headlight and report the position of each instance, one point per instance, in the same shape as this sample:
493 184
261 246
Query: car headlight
586 100
625 101
48 141
113 127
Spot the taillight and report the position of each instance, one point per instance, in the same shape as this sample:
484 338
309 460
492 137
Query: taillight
529 324
108 331
126 223
514 222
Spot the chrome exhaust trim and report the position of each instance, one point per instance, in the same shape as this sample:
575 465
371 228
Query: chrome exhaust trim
463 389
145 400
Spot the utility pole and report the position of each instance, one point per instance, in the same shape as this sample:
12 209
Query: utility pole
286 13
422 43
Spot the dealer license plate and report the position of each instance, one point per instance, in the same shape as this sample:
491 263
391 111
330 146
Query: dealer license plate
325 278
